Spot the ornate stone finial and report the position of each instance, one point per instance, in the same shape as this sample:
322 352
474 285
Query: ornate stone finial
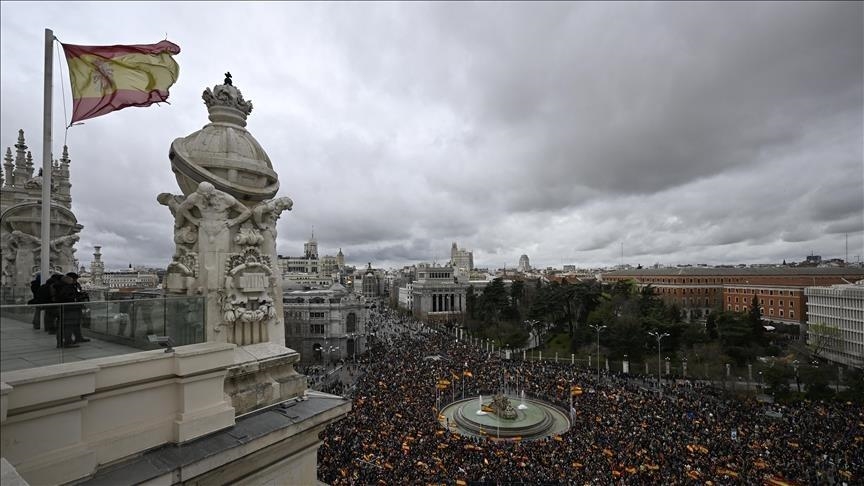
226 104
8 166
64 159
29 162
20 149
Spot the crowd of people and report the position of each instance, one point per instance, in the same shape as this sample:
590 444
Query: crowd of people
622 432
63 320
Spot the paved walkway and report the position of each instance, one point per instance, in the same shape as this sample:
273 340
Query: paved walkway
22 347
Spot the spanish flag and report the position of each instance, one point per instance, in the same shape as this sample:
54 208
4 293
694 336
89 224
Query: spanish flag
110 78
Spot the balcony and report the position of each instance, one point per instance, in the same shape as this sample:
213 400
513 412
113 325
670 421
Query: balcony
114 327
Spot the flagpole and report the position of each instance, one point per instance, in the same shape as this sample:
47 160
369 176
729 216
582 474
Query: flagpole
46 156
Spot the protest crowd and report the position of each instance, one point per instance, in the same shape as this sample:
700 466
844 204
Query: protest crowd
623 432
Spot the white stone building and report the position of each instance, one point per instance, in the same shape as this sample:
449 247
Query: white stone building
310 270
461 259
524 264
230 410
325 324
21 221
438 295
840 307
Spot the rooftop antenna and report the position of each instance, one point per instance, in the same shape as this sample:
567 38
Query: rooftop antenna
846 260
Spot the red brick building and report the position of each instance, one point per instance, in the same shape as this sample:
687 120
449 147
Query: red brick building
701 290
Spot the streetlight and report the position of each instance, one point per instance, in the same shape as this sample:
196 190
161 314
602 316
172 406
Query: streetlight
531 324
598 328
797 381
659 336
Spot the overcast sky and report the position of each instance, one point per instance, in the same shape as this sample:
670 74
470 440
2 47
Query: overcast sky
692 133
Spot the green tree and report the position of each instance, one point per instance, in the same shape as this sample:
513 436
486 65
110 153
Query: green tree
754 318
711 326
471 302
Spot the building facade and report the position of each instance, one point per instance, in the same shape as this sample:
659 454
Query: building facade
698 291
21 221
462 259
310 270
524 264
835 322
438 295
325 325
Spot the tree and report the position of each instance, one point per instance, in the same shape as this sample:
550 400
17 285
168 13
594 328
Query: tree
517 291
822 337
711 326
755 319
471 302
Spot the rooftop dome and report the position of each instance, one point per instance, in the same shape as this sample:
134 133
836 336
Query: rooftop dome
224 153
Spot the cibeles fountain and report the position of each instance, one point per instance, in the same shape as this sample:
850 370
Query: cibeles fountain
225 247
498 418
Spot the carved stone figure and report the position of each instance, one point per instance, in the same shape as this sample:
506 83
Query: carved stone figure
502 408
266 214
185 225
63 251
215 207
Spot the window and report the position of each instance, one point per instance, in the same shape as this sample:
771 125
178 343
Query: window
729 307
781 304
736 308
317 315
316 328
791 314
770 312
771 302
781 312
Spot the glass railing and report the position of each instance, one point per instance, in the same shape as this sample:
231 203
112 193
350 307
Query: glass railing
41 335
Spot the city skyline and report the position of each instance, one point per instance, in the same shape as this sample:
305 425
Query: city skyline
692 133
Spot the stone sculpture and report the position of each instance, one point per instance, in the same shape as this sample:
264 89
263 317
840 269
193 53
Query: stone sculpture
502 408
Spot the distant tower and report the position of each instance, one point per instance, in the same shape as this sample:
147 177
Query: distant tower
310 248
453 251
524 264
97 268
340 259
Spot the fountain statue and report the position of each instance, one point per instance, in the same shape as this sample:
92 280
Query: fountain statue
522 405
502 408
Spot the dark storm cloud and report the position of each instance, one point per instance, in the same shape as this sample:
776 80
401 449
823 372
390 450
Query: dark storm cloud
692 132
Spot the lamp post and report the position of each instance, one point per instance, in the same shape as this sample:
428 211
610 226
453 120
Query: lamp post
598 328
684 367
797 381
659 336
531 329
329 349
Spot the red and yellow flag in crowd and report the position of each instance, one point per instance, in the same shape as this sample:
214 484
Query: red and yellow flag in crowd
110 78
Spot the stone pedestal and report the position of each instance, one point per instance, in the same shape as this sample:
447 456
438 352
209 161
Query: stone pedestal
263 374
